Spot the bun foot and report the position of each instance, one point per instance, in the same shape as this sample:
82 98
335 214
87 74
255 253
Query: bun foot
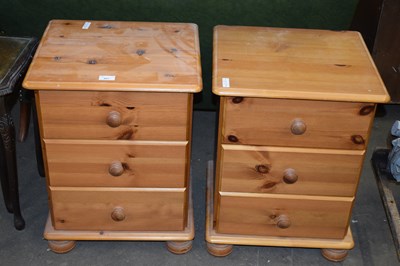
335 255
61 247
219 250
179 247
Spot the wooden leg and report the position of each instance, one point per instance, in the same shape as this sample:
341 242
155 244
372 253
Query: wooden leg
4 179
7 132
179 247
61 247
38 143
24 118
335 255
25 99
219 250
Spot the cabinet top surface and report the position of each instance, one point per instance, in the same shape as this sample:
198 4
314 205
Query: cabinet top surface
111 55
295 64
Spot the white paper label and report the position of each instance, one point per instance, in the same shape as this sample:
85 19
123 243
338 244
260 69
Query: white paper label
106 77
225 83
86 25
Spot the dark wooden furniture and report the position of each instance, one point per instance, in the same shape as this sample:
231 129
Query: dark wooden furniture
379 23
15 55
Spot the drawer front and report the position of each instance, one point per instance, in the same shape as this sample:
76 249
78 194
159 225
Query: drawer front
83 163
296 123
114 115
290 170
319 217
118 209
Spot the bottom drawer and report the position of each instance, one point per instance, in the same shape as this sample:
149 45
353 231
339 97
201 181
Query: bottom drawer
284 215
118 209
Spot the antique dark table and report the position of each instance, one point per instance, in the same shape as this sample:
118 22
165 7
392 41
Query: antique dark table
15 55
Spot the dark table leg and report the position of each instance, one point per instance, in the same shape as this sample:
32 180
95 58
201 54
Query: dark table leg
4 179
25 99
7 132
38 142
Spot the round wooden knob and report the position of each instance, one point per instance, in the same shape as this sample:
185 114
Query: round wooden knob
283 221
118 214
114 119
290 176
298 127
116 168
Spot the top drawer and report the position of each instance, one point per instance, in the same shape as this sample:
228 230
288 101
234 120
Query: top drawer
296 123
114 115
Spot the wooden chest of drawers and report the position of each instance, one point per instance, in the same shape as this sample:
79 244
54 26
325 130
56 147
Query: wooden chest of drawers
114 102
296 108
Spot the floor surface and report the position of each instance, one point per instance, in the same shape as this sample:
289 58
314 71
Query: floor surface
373 240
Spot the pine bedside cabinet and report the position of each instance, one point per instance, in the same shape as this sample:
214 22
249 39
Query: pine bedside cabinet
114 103
296 109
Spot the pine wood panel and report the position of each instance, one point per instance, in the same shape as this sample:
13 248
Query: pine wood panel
258 214
221 126
294 63
261 170
257 121
141 56
144 116
144 209
187 234
77 163
189 125
234 239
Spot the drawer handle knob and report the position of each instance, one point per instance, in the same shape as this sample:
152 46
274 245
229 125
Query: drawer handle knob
114 119
298 127
290 176
116 168
118 214
283 221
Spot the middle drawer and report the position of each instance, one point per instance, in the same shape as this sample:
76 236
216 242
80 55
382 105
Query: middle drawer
87 163
283 170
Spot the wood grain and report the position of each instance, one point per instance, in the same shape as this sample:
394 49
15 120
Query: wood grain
189 125
142 56
260 169
259 214
257 121
144 209
115 108
183 235
79 163
294 63
221 126
227 239
83 115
